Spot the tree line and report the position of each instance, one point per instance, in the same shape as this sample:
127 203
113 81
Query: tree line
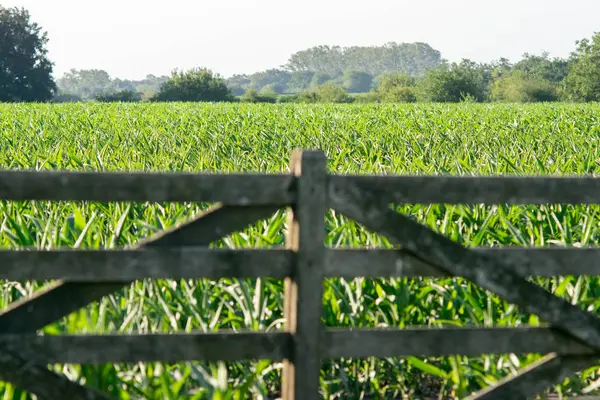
394 72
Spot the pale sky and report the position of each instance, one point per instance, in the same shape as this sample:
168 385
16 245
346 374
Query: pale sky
132 38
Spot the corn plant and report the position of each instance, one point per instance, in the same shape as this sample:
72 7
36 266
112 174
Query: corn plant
359 139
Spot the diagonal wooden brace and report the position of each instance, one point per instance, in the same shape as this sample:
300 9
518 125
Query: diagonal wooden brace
22 370
541 375
52 304
491 274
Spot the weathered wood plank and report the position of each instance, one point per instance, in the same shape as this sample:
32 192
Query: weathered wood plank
303 292
173 263
18 368
49 305
536 378
196 262
376 263
478 189
568 356
275 346
438 342
158 263
231 189
366 208
169 348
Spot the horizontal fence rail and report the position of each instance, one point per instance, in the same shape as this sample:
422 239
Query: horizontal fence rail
83 276
274 346
102 349
513 190
199 262
232 189
262 189
155 263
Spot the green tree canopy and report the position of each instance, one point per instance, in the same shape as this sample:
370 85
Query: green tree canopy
25 70
453 83
544 68
357 81
518 86
319 79
123 96
411 58
198 84
583 80
327 93
300 81
85 83
395 87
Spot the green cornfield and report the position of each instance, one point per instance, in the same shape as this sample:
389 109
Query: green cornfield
461 139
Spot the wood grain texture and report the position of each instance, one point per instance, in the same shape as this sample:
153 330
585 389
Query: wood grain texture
275 346
231 189
477 189
438 342
21 369
197 262
551 370
146 263
379 263
303 292
57 301
169 348
366 208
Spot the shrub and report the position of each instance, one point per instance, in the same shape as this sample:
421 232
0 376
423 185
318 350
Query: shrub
124 96
521 87
452 84
327 93
287 98
66 98
198 84
252 96
399 94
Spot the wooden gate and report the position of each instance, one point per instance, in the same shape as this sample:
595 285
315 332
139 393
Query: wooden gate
571 339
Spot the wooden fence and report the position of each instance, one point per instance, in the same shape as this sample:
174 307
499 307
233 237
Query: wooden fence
571 339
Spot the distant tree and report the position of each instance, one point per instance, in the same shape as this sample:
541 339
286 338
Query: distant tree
319 79
85 83
324 59
542 67
25 70
390 80
583 81
330 93
395 87
146 91
521 87
271 90
370 97
123 96
327 93
411 58
66 98
276 78
399 94
453 83
238 84
300 81
287 98
253 96
357 81
199 84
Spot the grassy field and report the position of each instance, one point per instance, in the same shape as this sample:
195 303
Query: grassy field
429 139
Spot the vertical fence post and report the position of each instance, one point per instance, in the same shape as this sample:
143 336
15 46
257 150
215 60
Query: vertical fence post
303 292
